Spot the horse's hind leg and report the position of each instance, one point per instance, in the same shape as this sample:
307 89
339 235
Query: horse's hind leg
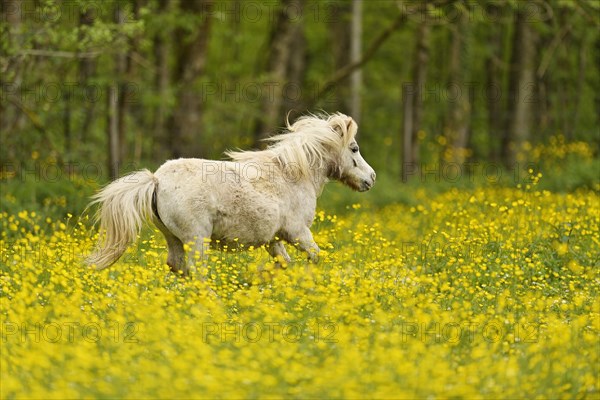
199 243
176 257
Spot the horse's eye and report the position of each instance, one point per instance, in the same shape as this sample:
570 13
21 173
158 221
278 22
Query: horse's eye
354 149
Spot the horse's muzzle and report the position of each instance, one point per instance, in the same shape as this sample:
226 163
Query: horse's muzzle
367 184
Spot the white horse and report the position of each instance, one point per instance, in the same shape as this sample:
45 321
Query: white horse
260 197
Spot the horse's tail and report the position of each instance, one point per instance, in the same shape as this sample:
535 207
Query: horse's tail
124 206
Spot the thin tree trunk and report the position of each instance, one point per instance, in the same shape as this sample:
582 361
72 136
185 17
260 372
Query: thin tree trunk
581 77
87 68
596 61
236 28
520 95
494 90
540 112
341 74
408 165
115 129
12 69
420 74
285 29
293 98
137 126
548 82
185 121
458 117
67 126
112 125
355 56
340 38
125 74
161 47
413 103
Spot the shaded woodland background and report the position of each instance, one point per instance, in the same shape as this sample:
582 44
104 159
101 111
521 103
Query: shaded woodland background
127 84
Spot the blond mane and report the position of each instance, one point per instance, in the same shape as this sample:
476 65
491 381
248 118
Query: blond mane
312 142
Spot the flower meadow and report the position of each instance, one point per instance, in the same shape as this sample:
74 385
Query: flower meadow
490 292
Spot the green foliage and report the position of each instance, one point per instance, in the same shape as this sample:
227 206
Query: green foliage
50 198
51 106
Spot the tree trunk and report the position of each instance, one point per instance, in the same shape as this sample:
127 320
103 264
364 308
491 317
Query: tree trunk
112 124
548 81
581 77
341 74
11 68
459 110
408 164
355 56
185 121
564 83
520 91
596 61
236 28
285 30
67 125
494 92
161 47
541 110
340 37
130 92
293 98
125 72
87 68
413 104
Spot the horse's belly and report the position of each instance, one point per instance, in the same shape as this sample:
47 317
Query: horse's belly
251 228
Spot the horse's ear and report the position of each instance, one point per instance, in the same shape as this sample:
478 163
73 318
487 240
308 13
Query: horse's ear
339 129
349 122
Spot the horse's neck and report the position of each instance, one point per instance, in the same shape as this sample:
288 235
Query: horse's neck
319 181
314 183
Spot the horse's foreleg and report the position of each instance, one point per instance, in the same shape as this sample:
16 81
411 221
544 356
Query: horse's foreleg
277 250
304 240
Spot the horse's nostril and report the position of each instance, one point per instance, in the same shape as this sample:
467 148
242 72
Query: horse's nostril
373 175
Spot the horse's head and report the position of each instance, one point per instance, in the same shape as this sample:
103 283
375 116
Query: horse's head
350 167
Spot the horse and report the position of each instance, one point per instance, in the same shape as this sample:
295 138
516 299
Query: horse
261 197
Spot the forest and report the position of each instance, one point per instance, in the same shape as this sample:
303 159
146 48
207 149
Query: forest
98 88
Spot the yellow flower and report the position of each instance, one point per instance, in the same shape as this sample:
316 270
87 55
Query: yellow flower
459 295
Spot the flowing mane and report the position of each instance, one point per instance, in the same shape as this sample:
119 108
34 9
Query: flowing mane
312 142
